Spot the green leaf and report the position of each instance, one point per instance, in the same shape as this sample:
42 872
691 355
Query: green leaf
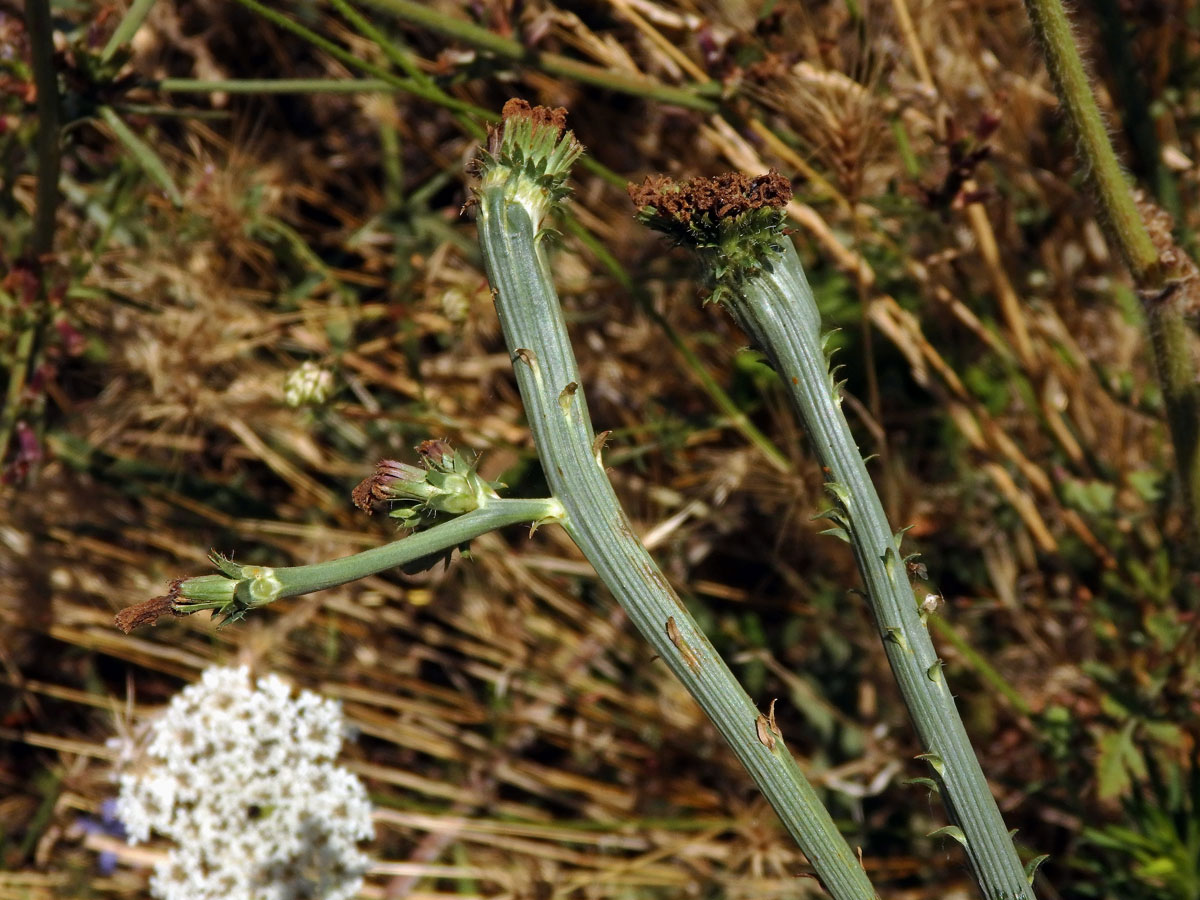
142 152
1148 484
1093 497
1033 865
952 831
838 532
1117 760
934 760
923 782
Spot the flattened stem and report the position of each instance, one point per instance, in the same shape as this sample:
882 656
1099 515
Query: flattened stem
776 308
545 368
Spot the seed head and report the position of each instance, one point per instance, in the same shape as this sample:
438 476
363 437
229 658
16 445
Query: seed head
733 222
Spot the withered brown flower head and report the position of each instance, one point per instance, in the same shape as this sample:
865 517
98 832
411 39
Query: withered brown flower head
732 221
719 196
539 116
149 611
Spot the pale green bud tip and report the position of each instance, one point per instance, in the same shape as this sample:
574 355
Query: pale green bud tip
307 385
260 585
733 222
529 156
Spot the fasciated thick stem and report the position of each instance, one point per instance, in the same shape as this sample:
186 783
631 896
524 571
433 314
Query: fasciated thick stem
554 400
776 308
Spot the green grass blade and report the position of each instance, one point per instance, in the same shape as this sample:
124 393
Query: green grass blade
143 153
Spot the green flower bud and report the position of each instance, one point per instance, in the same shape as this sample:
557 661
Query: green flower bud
208 591
447 484
529 156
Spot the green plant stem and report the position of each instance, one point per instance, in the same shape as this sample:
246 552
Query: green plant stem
408 85
49 153
241 588
297 580
398 56
1132 98
549 382
470 120
138 10
700 97
143 153
277 86
776 308
45 211
1174 362
1053 30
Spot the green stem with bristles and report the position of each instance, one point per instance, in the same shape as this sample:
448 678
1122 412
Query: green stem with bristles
694 365
1169 332
776 308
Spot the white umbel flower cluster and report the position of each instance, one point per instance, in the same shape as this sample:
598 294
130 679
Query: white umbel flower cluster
243 780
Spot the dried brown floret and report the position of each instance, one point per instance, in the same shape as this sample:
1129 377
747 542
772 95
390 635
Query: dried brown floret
373 488
516 108
148 612
1183 276
719 197
541 115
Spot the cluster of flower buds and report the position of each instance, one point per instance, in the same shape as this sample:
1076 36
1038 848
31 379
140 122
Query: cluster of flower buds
444 483
308 385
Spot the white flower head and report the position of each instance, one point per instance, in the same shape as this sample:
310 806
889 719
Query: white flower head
242 778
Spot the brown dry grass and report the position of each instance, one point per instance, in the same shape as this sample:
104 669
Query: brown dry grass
518 739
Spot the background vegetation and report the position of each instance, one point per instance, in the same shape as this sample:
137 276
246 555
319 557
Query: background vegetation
517 738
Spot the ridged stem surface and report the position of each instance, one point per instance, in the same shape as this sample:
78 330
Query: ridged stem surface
776 308
558 417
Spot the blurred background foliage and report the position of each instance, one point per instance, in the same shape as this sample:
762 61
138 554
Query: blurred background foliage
215 233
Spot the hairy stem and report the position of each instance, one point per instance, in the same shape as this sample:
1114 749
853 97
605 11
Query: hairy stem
49 154
1173 359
